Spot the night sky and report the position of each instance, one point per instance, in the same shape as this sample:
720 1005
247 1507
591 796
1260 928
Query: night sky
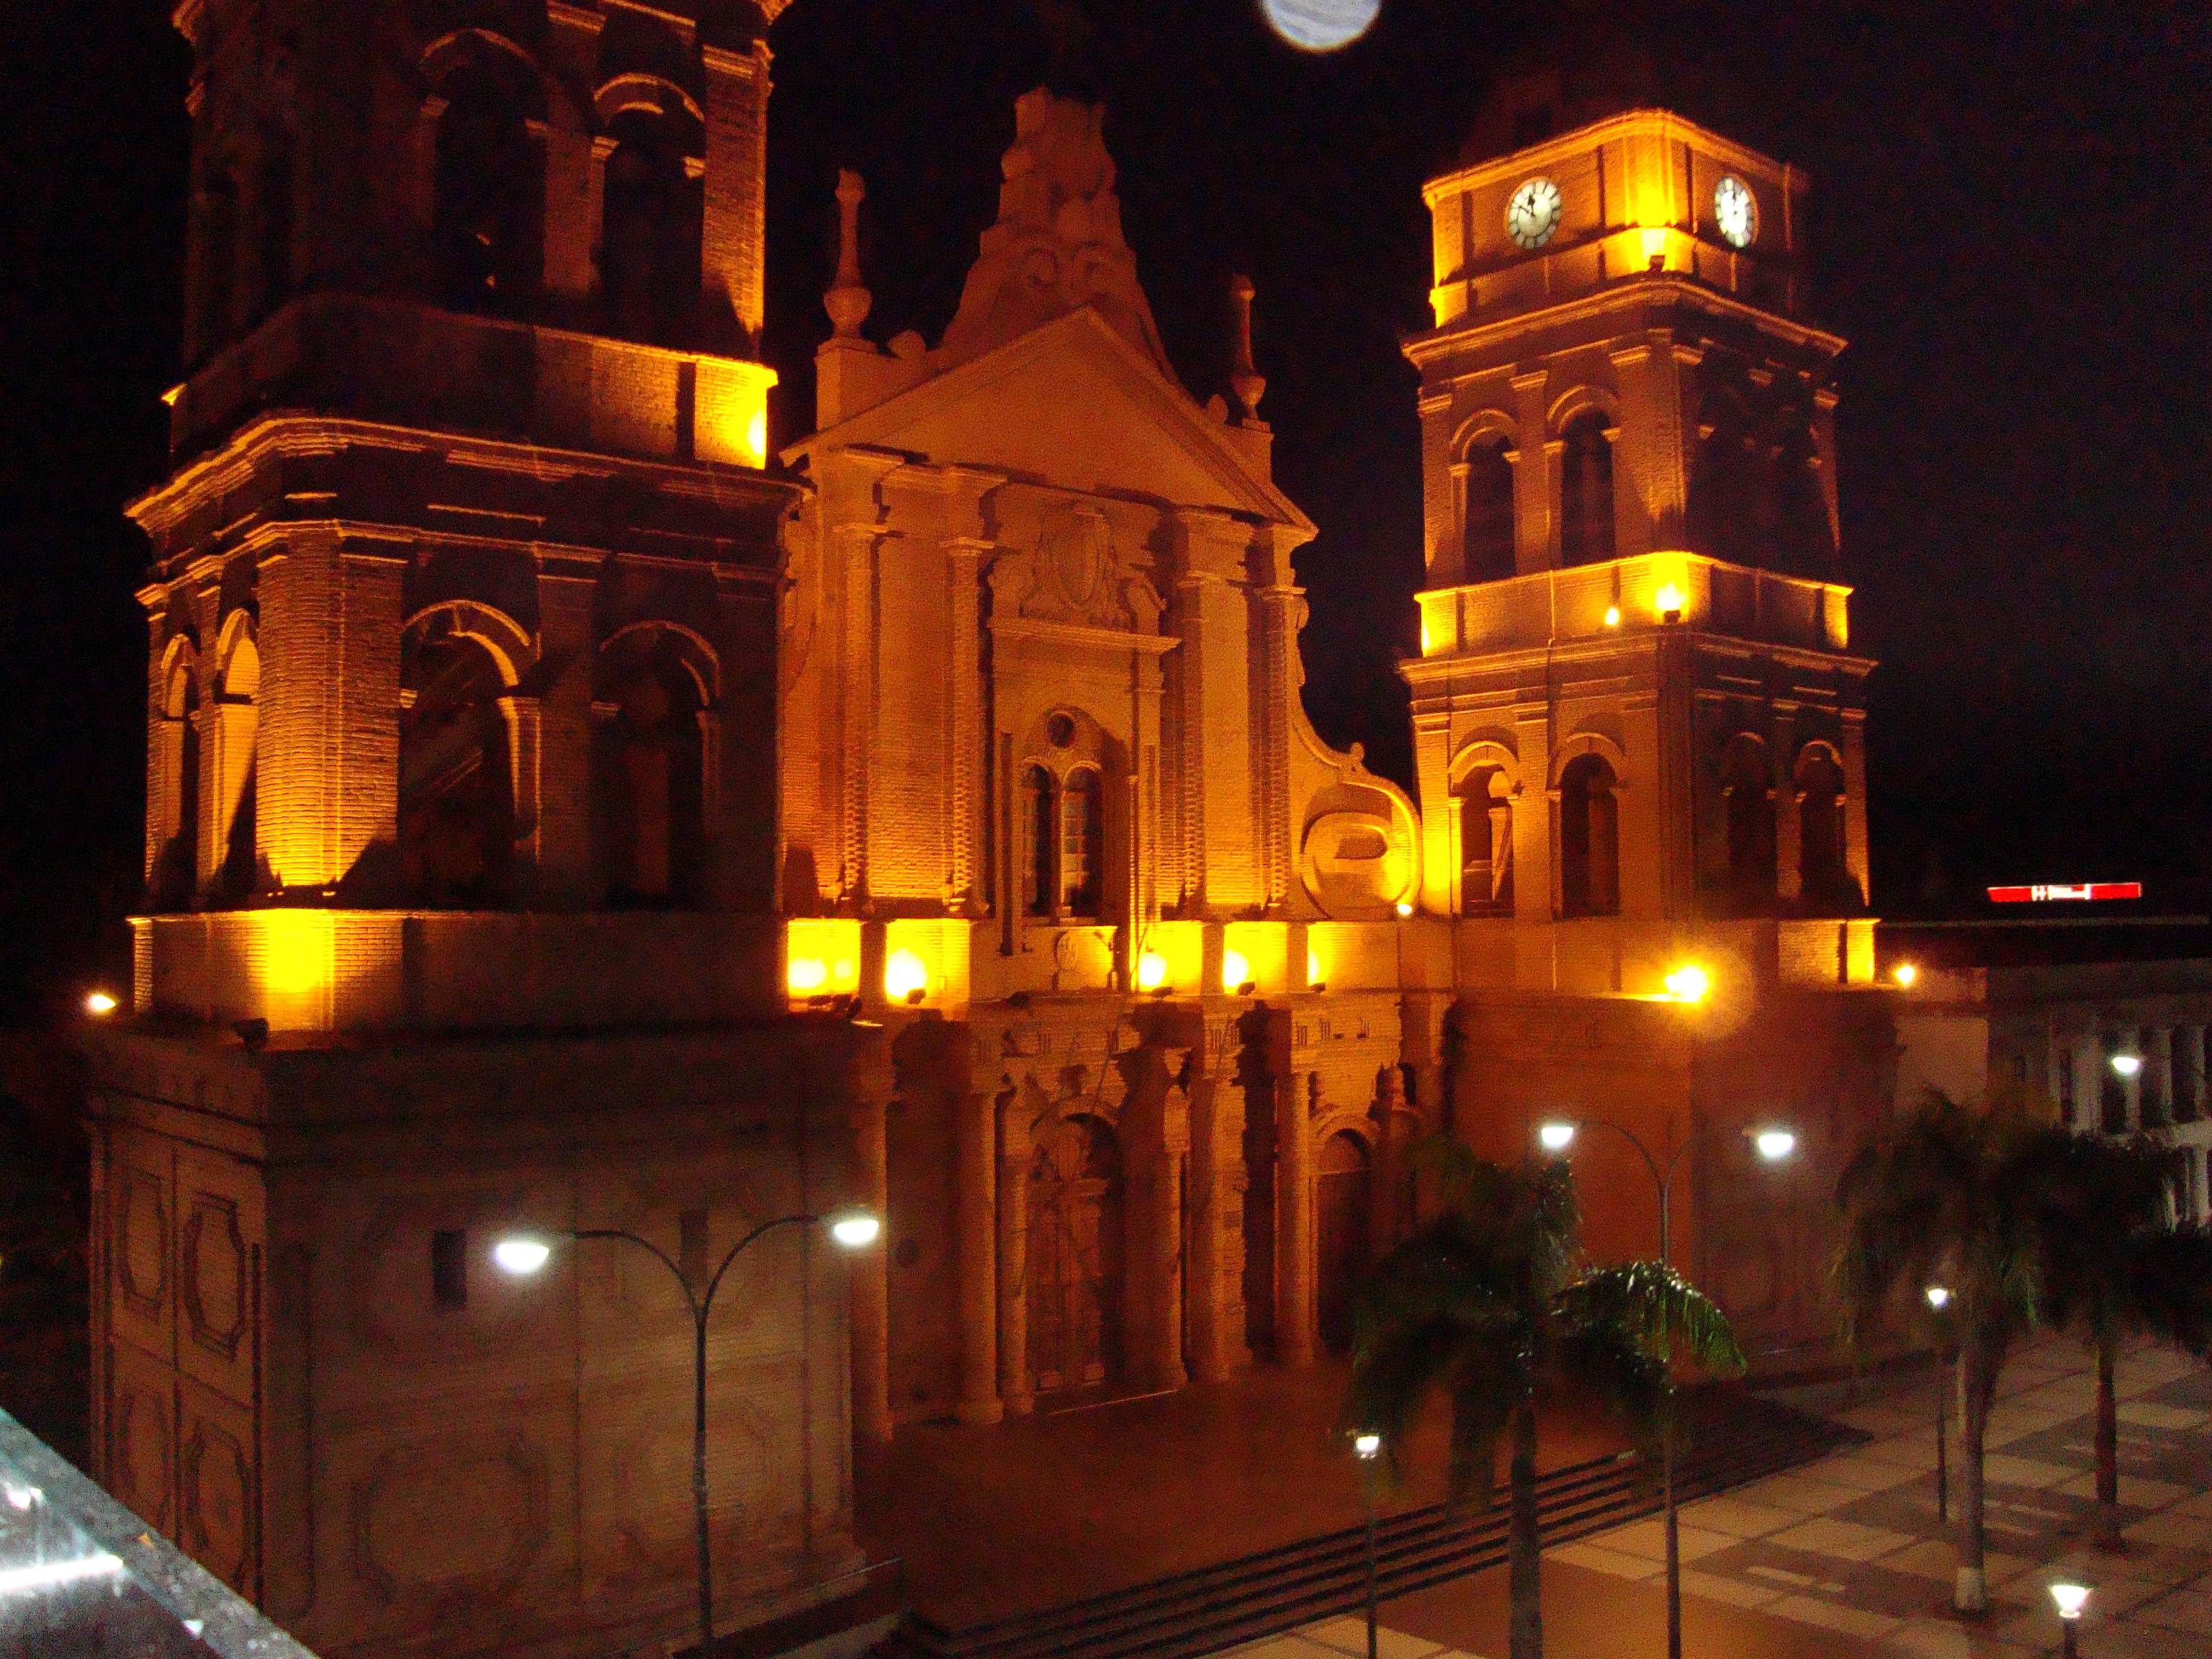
2010 222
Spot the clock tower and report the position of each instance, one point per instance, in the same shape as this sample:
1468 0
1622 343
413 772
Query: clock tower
1638 723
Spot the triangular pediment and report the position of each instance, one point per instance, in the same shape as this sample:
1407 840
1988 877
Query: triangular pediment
1073 405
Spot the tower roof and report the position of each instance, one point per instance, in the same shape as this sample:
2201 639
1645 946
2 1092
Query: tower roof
1592 62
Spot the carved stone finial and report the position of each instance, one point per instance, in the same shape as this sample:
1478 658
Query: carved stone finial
847 303
1244 379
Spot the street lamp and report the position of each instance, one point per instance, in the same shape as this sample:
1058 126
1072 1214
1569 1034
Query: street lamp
1773 1143
1367 1447
98 1005
2069 1598
1939 1297
2127 1065
524 1254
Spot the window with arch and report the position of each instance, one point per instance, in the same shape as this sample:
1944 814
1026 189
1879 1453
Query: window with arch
1586 489
218 258
1589 838
456 771
1489 510
1724 507
653 772
274 208
233 724
649 242
489 186
1801 506
1082 843
1037 843
173 876
1486 841
1748 799
1824 877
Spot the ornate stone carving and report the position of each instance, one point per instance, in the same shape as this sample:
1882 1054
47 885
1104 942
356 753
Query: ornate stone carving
211 1274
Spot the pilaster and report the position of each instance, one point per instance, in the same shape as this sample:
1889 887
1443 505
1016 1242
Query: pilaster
732 244
975 1173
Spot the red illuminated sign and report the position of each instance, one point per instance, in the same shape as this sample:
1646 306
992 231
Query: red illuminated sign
2085 890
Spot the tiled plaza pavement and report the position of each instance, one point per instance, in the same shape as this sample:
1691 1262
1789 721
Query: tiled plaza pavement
1848 1550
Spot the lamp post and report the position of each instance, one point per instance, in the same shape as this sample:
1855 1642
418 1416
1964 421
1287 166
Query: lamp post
1939 1298
525 1254
1367 1446
2069 1598
1773 1143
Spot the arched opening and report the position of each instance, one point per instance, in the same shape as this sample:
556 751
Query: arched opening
175 875
1075 1255
456 774
218 258
1724 508
1489 506
1747 792
237 724
652 775
1807 540
1082 843
1486 841
1586 489
649 245
1037 841
1825 879
1343 1207
274 208
485 211
1589 838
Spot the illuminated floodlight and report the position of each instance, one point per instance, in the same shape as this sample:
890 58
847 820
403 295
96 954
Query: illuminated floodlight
1151 972
1313 969
521 1255
1689 983
1367 1445
1321 25
15 1580
1669 603
99 1004
1236 971
1556 1137
20 1497
855 1229
1613 616
806 975
1775 1144
1405 908
2127 1065
2069 1598
906 977
1939 1296
1905 975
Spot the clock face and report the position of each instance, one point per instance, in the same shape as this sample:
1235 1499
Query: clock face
1533 213
1735 211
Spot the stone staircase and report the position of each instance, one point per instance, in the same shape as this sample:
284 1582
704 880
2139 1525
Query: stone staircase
1211 1608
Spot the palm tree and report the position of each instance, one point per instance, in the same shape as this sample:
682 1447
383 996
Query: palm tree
2113 1266
1491 1304
1952 1195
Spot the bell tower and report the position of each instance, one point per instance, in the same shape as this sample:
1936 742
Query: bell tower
1637 720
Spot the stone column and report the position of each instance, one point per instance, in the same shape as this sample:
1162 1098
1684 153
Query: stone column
976 1156
741 781
1017 1386
1217 1182
328 786
1534 465
2127 1040
1214 679
1294 1220
871 1387
1386 1170
2189 1071
2158 1076
1789 827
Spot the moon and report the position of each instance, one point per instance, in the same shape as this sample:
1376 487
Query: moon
1321 25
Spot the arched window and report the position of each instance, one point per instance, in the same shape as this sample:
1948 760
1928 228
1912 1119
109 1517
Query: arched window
1037 841
1485 842
274 207
235 722
1824 877
649 243
218 256
456 777
1082 843
484 218
174 876
1586 489
1724 508
1807 540
1747 790
1590 839
1489 504
653 772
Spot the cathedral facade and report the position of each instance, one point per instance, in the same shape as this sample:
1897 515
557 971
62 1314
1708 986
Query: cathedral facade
562 812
